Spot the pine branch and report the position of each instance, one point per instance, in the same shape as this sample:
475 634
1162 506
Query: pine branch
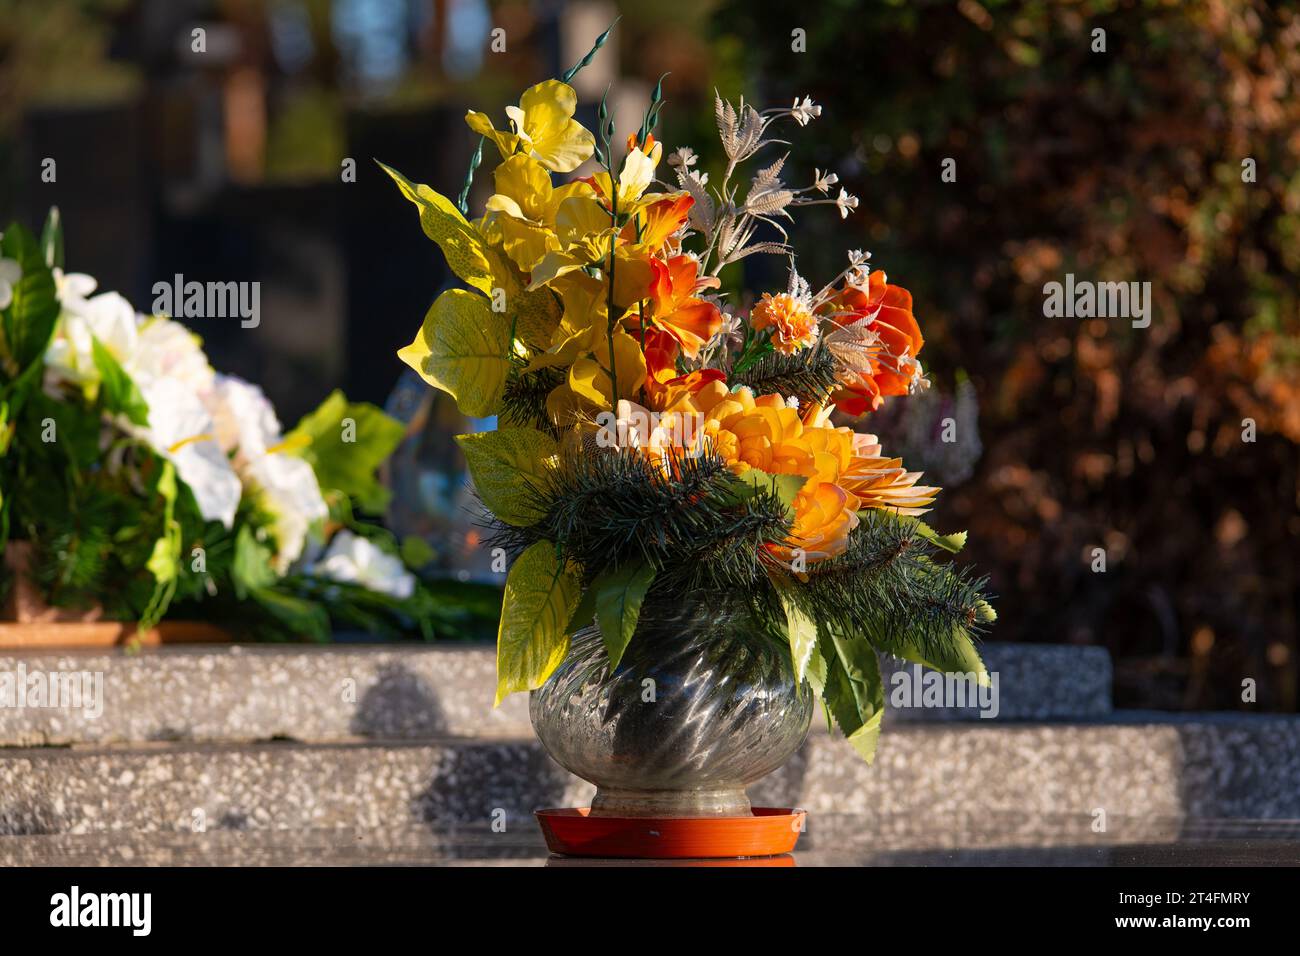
809 375
695 528
888 587
523 404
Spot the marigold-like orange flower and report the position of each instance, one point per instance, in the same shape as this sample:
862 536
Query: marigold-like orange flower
793 324
824 517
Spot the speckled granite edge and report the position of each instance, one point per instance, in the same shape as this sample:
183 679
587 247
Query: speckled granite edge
1247 767
342 692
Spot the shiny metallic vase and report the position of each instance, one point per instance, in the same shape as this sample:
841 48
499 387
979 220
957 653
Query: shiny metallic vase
702 705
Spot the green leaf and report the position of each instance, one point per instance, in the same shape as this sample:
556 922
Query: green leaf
416 552
52 239
952 543
785 487
29 320
300 617
507 465
800 629
118 390
961 657
465 251
461 348
540 597
533 315
251 569
585 613
854 692
164 559
345 443
619 595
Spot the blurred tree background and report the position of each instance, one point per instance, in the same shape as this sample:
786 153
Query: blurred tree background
1120 165
1073 434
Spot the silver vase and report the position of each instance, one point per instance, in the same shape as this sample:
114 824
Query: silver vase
701 706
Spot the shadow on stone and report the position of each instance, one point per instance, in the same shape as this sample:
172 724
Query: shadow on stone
401 704
479 785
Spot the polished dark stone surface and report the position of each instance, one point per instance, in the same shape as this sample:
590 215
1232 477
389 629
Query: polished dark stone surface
832 840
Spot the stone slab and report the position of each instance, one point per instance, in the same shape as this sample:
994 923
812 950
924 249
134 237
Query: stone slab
410 692
1217 766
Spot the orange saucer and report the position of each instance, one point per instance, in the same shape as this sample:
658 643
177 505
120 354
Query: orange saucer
767 832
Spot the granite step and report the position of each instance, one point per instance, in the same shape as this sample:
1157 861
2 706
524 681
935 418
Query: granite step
1130 765
414 692
831 839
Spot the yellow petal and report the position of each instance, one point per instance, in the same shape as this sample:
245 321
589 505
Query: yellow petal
527 182
580 218
556 138
507 144
635 178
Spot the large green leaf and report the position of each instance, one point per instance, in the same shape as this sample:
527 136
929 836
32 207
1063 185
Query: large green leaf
29 320
619 595
540 597
801 631
508 465
958 656
118 390
251 569
462 349
854 691
345 443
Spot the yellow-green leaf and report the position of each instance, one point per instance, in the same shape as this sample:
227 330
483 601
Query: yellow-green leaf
540 598
801 630
534 315
461 349
442 222
961 657
506 464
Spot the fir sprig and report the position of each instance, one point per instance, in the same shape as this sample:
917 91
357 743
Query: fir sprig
523 403
809 375
698 527
888 586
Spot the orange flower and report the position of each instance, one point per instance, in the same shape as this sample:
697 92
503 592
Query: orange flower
658 221
824 517
689 320
793 325
676 391
888 366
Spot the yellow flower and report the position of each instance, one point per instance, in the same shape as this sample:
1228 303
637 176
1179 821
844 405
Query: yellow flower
544 128
521 214
634 179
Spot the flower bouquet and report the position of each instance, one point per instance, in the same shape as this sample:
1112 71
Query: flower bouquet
699 549
137 483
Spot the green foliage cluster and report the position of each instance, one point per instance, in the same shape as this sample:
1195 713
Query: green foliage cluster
110 525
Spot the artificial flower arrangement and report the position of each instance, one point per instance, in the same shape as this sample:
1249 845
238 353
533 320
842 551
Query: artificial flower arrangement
657 444
146 484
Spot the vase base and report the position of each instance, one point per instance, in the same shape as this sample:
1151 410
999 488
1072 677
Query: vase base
611 802
764 831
